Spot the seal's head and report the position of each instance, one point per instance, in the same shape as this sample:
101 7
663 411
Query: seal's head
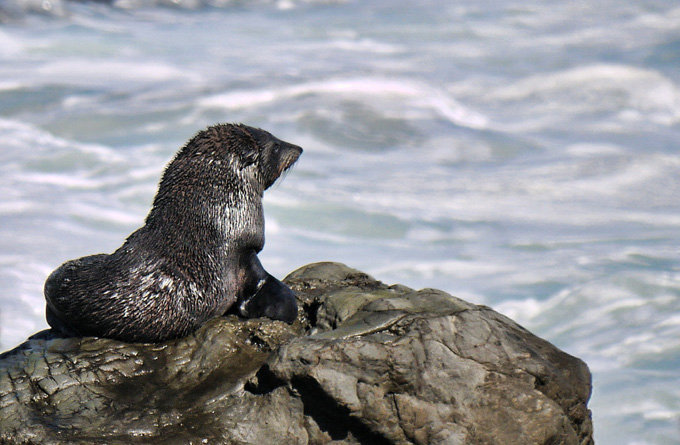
272 155
239 147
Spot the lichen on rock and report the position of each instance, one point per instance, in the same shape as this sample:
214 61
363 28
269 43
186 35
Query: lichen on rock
363 363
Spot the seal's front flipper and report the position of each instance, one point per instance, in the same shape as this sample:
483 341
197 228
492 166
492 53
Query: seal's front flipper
273 300
263 295
59 328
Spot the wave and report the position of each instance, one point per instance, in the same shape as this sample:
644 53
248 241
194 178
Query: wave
81 72
610 325
627 93
594 188
12 10
17 135
418 95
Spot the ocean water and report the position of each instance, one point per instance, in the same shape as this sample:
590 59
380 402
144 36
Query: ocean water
520 154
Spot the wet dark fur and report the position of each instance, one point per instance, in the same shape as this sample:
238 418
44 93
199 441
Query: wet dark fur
196 255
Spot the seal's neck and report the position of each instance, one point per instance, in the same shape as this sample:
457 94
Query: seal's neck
219 213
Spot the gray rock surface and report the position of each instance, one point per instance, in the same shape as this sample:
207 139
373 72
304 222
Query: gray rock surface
364 363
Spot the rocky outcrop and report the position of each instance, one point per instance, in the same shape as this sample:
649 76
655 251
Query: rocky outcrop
364 363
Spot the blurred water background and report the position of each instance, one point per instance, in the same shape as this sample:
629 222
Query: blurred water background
521 154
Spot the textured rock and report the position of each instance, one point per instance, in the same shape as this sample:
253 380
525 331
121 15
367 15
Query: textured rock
364 363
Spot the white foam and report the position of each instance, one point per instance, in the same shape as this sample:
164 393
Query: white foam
643 90
22 309
272 227
10 46
287 5
104 213
419 94
10 85
365 45
521 310
666 21
87 72
17 207
449 268
648 409
672 320
628 94
19 135
612 323
588 150
66 180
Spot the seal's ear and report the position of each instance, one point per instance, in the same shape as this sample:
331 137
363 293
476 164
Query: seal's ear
249 150
248 157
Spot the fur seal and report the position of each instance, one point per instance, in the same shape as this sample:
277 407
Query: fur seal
196 255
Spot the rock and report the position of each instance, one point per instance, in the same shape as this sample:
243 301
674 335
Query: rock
364 363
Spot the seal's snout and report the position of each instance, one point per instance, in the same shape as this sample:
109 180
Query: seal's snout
290 154
293 147
294 150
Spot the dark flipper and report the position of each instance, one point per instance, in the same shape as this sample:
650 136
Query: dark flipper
59 293
273 300
59 328
266 296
